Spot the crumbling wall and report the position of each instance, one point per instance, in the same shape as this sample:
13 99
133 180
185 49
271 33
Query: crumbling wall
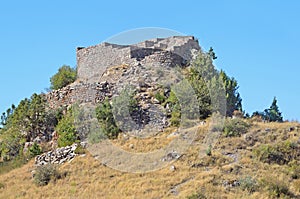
93 61
79 93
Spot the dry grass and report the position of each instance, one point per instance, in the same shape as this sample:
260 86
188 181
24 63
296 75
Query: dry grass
231 160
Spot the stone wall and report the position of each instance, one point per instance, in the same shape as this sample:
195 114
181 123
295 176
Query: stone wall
93 61
79 93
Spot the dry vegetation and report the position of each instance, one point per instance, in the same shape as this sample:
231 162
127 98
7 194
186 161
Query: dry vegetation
231 171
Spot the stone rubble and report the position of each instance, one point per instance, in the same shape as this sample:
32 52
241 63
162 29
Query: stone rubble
58 156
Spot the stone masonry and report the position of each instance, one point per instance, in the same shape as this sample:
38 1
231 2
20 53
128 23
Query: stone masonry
93 61
103 68
106 69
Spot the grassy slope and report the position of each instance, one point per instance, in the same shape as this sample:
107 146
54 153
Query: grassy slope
88 178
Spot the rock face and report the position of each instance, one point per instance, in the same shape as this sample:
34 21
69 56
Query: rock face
58 156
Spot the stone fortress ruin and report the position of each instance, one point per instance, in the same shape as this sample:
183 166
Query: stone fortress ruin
104 67
93 61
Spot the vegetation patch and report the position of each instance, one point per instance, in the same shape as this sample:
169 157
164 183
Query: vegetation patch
235 127
45 173
281 153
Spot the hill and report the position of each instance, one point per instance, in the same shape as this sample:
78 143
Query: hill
148 120
233 170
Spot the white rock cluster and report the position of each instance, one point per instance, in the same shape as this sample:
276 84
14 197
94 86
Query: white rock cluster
58 156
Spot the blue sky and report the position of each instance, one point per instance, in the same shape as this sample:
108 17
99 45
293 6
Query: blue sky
257 42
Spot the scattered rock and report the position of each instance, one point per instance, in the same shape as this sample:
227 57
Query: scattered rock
292 128
231 183
58 156
172 168
171 156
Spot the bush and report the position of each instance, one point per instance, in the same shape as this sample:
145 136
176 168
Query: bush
63 77
66 130
197 196
248 184
35 150
276 188
208 150
80 150
12 144
269 154
125 110
295 171
235 127
160 97
281 153
45 173
175 117
2 186
174 105
107 123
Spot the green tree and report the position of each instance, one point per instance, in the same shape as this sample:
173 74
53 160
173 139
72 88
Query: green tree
63 77
106 119
202 92
66 130
7 114
36 116
233 99
210 83
11 144
273 114
212 54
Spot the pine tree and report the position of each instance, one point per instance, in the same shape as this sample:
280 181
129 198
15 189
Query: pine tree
273 114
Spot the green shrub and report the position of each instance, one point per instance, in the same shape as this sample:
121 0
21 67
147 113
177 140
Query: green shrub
63 77
281 153
12 144
35 150
107 123
2 186
235 127
160 96
174 105
66 130
197 196
248 184
175 117
276 188
269 154
208 150
294 170
80 150
45 173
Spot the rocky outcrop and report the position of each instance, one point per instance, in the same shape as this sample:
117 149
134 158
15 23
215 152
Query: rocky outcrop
58 156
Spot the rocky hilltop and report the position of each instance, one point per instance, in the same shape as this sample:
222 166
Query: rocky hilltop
149 67
105 67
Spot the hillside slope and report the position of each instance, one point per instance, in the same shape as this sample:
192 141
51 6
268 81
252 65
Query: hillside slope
236 169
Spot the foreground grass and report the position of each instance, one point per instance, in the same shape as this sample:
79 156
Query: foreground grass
212 176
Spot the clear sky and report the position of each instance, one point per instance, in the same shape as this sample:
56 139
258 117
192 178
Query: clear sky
257 42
